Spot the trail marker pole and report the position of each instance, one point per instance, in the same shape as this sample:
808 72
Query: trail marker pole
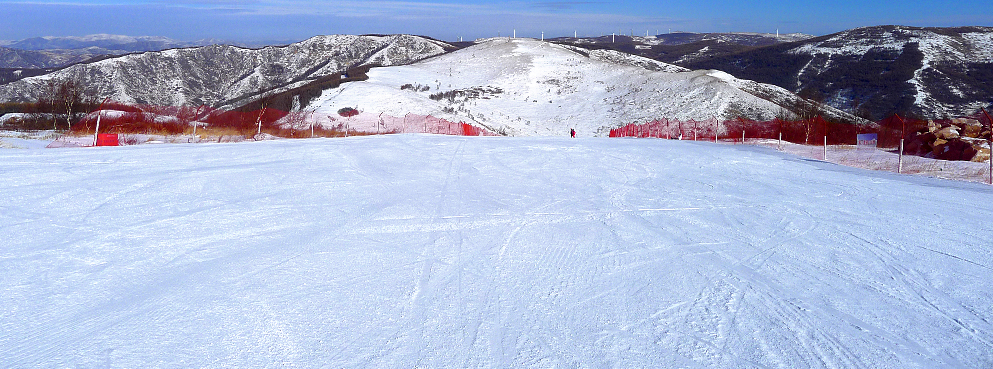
824 156
96 130
990 143
899 167
717 124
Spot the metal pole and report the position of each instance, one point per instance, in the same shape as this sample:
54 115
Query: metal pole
990 143
780 141
717 124
899 168
96 130
824 156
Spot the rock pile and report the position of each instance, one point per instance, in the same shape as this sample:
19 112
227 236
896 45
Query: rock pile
957 139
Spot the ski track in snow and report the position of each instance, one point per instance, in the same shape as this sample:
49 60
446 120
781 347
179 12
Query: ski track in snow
439 251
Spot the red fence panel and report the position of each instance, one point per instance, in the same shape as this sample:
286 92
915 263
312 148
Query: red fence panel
107 139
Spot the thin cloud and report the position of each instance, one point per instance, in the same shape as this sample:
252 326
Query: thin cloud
563 5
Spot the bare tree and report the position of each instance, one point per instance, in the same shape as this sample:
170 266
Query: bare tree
47 101
63 97
264 102
300 119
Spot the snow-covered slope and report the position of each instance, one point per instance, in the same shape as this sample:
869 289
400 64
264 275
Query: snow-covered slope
430 251
219 74
528 87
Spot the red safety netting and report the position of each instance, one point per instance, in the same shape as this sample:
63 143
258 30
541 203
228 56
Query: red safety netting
808 131
134 118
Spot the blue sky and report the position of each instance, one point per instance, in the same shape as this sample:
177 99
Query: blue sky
255 20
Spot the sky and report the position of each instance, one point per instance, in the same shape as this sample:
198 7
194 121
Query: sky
255 20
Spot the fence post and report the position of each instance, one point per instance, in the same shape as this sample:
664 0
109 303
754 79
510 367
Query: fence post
899 168
780 141
742 135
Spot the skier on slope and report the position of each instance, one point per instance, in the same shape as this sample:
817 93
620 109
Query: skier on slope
572 131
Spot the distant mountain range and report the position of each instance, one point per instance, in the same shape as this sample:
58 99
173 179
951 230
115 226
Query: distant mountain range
871 71
224 75
105 44
27 59
55 52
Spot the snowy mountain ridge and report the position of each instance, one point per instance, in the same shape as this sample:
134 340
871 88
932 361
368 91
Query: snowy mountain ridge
29 59
221 75
878 71
938 50
526 87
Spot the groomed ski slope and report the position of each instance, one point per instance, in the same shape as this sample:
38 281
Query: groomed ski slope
435 251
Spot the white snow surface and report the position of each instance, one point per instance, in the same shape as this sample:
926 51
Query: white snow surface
441 251
545 89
